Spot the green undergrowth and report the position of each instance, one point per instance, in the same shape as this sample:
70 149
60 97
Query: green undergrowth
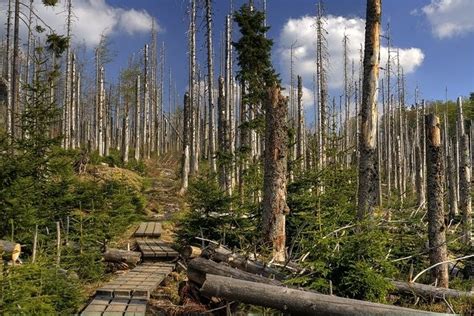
93 210
343 257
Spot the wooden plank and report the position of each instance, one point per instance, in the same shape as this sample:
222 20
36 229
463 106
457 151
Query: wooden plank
157 230
141 229
149 229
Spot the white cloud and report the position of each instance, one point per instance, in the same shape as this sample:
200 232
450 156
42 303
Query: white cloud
449 18
91 18
302 30
307 99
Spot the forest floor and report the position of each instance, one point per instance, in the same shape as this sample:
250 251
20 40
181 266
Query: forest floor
164 204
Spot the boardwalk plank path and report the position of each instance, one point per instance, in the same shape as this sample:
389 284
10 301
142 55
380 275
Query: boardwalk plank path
149 229
153 249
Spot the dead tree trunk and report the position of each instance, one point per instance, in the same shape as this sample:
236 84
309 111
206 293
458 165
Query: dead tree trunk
101 113
296 302
300 130
368 171
210 88
274 196
452 199
137 119
125 131
221 134
9 250
8 71
464 178
15 78
185 158
436 223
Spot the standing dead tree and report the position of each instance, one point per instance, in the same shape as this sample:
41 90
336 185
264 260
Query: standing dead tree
436 223
210 88
274 196
464 178
368 171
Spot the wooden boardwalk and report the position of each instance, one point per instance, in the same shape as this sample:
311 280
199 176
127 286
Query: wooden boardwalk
107 306
137 283
153 249
149 229
128 294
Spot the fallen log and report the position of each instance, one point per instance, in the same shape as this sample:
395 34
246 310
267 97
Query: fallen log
221 254
429 290
296 301
190 252
10 250
199 267
131 258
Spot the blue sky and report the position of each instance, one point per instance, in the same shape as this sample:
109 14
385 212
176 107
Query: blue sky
436 37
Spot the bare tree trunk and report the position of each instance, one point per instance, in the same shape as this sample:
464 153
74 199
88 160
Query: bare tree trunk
185 158
194 162
274 196
419 178
125 132
228 119
368 171
8 71
452 198
101 117
15 78
464 178
436 223
146 106
301 129
221 131
73 105
137 120
322 90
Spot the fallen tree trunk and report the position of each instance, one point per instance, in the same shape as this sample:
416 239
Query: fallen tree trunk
428 290
131 258
221 254
190 252
296 301
10 250
199 267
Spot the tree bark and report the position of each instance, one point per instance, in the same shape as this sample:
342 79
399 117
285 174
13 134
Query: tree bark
428 290
452 198
221 134
137 119
464 178
296 302
274 196
300 130
368 171
131 258
10 250
210 88
436 222
200 268
185 158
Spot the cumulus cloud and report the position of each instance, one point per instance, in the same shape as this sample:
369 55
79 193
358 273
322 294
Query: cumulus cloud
449 18
92 18
302 32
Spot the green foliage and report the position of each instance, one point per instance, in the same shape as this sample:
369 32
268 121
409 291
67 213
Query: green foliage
114 159
361 268
254 54
211 216
38 289
38 187
50 3
320 227
57 43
